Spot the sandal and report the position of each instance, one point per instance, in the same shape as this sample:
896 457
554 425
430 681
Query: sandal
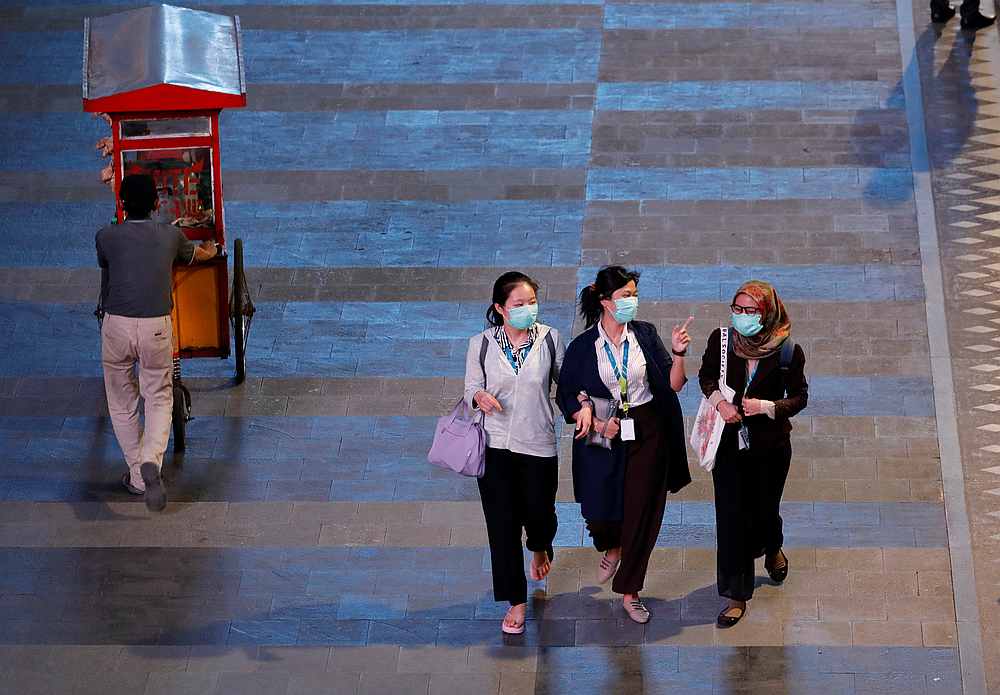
729 620
515 628
636 611
607 569
777 566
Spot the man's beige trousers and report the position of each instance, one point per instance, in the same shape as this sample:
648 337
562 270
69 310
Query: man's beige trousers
146 343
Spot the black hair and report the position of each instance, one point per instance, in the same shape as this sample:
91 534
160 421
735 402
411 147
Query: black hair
502 288
138 195
609 280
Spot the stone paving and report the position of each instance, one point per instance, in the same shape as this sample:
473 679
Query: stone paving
395 157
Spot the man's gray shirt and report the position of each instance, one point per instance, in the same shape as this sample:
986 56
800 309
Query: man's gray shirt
136 260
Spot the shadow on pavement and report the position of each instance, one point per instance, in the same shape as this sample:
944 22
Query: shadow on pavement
948 133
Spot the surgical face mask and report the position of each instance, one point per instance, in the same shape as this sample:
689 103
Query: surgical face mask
523 317
626 309
747 325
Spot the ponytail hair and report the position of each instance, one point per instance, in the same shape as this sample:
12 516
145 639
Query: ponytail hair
502 288
609 280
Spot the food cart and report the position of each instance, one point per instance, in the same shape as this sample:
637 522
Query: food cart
160 76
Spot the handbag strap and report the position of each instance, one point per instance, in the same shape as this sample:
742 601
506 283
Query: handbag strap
724 356
463 411
482 358
551 345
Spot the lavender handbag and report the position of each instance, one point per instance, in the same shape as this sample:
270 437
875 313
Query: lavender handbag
459 440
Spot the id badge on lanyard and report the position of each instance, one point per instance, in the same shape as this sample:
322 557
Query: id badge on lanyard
744 430
744 437
625 423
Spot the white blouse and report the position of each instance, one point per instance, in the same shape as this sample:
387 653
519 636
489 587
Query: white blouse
639 392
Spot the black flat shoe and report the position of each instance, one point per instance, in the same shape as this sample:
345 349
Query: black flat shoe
941 12
777 567
975 21
728 620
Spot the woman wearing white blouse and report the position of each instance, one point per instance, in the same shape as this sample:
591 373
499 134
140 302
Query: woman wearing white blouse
622 480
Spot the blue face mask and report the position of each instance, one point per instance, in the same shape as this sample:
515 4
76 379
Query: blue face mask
747 325
523 317
626 309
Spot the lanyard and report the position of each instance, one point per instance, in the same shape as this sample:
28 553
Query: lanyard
622 376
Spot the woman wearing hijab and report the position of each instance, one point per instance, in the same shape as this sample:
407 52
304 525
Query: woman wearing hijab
621 477
766 370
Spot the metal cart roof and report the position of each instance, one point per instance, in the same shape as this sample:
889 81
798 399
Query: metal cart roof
162 58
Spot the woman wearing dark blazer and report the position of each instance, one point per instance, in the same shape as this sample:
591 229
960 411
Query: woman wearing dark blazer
622 489
767 372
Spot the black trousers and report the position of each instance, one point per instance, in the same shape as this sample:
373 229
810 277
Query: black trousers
645 502
518 492
748 488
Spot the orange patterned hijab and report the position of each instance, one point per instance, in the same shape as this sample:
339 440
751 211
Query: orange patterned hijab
777 327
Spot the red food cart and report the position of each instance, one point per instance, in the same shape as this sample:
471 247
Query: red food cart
161 75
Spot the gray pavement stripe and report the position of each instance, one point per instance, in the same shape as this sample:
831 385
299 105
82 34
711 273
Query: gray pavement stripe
299 186
663 55
346 97
318 17
458 285
260 596
462 286
60 392
434 524
173 665
828 470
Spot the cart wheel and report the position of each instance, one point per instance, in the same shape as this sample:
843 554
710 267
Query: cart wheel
181 414
241 311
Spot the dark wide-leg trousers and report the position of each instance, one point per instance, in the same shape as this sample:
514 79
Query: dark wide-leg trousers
518 492
748 488
645 502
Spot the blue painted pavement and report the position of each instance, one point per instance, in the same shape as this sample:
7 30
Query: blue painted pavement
424 140
874 282
723 15
328 234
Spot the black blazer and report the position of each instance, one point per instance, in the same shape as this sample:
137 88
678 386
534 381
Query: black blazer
599 474
789 392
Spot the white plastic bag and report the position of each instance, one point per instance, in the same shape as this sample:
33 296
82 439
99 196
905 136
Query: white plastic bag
708 423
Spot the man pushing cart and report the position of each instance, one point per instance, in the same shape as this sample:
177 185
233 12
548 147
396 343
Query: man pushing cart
160 76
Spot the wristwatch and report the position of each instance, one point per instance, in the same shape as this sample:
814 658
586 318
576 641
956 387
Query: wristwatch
678 354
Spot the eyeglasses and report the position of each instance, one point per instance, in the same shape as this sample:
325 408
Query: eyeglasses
749 310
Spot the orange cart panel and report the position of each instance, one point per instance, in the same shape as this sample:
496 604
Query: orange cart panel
201 303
